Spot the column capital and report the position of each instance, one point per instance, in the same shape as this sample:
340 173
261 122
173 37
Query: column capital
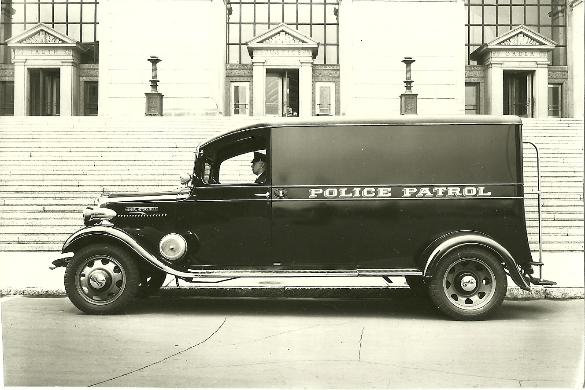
258 61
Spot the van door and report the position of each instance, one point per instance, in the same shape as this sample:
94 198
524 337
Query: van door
230 212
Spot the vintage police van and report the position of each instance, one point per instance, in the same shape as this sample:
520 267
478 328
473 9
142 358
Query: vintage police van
439 201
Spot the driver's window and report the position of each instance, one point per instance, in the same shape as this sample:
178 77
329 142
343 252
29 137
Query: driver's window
238 169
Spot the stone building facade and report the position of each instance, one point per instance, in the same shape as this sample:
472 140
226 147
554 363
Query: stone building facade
292 57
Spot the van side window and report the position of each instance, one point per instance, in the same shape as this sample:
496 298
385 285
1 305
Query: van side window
238 170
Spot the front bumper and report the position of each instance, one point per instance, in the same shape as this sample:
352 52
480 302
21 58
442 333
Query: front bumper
62 261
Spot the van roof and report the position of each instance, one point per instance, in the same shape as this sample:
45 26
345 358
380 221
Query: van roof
397 120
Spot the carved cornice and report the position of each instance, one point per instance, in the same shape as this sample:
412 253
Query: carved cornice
42 37
282 38
520 40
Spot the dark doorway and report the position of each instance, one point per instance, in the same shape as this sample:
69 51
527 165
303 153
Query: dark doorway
282 92
90 98
45 94
518 93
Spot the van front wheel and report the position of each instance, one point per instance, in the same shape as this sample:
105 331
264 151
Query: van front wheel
101 279
469 284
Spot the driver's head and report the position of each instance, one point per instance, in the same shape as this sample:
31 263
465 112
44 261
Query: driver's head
258 163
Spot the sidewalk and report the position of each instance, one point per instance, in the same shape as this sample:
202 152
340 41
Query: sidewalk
27 273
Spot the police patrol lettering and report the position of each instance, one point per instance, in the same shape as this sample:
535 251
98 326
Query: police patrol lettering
400 192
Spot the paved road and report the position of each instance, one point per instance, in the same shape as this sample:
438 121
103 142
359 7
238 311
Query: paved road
327 343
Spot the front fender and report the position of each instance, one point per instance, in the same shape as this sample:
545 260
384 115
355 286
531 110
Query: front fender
436 251
124 239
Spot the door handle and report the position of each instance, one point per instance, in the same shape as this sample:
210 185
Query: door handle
280 193
263 195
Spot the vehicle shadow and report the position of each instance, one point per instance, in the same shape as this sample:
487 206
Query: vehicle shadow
400 303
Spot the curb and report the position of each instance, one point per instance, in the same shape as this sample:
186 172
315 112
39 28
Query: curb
513 293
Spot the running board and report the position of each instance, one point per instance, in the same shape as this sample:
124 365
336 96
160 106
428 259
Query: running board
255 273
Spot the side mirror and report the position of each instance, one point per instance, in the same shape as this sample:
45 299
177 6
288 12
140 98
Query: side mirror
185 179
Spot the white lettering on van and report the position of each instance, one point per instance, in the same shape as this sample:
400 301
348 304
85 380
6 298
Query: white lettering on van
424 192
384 192
483 193
453 191
330 193
469 191
440 191
343 193
369 192
408 191
314 192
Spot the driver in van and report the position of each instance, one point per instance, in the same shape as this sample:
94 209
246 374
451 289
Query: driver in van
259 167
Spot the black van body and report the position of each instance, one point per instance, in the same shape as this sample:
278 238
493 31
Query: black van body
437 200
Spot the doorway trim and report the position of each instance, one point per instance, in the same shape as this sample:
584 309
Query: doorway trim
520 49
283 48
44 47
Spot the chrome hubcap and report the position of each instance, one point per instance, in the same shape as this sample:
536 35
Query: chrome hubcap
469 283
101 280
98 279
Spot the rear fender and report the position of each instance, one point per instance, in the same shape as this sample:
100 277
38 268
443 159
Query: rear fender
444 245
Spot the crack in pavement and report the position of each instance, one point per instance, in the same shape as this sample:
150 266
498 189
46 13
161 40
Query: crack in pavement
163 359
360 350
282 333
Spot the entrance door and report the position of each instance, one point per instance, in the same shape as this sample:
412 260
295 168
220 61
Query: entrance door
282 92
518 93
45 94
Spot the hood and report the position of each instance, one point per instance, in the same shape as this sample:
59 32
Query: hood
132 197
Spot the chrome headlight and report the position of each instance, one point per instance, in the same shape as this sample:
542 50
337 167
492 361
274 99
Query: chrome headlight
92 215
173 246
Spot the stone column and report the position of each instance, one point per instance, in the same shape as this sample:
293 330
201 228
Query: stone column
6 13
20 88
66 90
495 89
540 88
258 86
306 88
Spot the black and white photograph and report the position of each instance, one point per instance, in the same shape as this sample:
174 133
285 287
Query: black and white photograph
327 194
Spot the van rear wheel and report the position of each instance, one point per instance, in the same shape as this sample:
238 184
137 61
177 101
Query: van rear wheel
469 284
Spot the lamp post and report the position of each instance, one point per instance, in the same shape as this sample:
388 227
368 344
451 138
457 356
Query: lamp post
154 99
408 100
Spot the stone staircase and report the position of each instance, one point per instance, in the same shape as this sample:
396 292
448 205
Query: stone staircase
52 168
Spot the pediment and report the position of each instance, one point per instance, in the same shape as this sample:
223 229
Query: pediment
522 36
40 35
520 39
282 36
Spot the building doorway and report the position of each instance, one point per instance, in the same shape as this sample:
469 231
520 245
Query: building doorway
44 92
282 92
518 93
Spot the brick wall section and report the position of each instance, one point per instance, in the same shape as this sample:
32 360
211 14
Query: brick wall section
51 169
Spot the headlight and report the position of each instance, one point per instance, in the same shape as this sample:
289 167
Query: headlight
92 215
173 246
